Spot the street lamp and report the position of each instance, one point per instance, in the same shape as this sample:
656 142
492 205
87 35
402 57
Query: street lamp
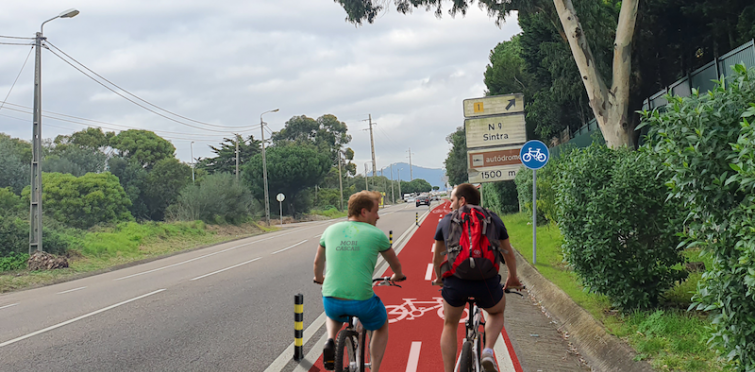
35 231
264 168
399 184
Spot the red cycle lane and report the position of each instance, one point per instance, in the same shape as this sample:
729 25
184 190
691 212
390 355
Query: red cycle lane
415 310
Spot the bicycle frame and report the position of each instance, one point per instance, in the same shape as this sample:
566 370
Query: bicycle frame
473 335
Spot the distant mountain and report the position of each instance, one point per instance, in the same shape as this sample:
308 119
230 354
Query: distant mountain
432 175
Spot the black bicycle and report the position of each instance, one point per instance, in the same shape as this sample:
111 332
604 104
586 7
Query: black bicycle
353 344
471 348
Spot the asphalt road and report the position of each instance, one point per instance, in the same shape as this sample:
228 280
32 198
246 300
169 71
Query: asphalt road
224 308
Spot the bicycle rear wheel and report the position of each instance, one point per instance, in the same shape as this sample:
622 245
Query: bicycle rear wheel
346 351
364 349
466 359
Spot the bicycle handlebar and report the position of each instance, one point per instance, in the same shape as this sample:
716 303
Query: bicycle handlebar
386 280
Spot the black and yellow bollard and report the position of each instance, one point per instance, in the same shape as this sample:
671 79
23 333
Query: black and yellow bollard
298 327
416 218
390 237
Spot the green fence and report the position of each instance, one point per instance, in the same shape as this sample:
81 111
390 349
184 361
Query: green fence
702 79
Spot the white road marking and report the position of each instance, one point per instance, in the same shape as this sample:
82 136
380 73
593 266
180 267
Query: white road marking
429 272
411 365
287 248
227 268
432 248
3 307
71 290
505 364
6 343
317 236
314 353
201 257
283 359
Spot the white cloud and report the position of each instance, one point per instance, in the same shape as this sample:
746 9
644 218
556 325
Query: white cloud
227 62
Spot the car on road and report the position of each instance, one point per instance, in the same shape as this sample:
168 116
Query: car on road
422 200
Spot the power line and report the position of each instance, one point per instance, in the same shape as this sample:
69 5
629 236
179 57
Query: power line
17 37
100 123
14 81
133 95
4 43
56 126
139 98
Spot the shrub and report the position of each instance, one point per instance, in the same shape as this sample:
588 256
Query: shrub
501 196
547 179
85 201
706 143
16 261
218 199
14 237
619 233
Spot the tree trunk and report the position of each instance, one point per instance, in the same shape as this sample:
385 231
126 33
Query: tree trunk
610 106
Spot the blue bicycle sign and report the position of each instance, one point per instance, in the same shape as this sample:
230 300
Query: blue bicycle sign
534 154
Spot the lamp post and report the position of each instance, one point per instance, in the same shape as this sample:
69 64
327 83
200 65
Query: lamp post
35 231
400 195
264 168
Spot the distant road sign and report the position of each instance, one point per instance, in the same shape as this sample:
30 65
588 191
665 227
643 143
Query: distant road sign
534 154
495 131
495 157
492 174
280 197
494 105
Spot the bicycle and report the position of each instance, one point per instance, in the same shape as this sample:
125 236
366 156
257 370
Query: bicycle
471 348
352 346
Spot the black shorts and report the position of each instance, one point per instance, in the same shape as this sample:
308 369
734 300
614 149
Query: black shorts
487 293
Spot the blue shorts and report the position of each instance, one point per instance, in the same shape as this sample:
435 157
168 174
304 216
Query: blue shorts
487 293
371 312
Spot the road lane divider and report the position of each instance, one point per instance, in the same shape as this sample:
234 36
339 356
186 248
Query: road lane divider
7 306
314 353
429 273
287 248
227 268
298 327
201 257
71 290
67 322
413 363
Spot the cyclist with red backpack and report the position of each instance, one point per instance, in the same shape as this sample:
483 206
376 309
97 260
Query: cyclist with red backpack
474 240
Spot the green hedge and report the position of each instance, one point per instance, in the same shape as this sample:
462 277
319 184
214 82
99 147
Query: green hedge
706 145
619 230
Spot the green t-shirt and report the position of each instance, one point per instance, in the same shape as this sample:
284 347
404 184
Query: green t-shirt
351 250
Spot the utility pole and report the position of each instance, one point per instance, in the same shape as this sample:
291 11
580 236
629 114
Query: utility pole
393 196
35 228
411 176
192 161
400 195
237 157
372 142
366 187
340 179
264 170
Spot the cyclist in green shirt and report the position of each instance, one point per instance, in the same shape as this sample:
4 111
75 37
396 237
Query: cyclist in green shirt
351 249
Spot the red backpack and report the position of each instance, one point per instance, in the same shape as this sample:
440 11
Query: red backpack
473 249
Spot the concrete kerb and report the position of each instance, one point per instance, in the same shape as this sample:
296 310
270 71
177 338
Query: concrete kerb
601 350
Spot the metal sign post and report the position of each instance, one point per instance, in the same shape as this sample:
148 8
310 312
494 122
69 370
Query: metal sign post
280 197
534 155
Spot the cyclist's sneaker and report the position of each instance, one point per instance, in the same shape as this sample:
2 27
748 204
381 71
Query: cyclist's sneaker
488 361
329 355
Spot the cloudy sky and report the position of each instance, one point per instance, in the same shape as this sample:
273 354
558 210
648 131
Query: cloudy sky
224 63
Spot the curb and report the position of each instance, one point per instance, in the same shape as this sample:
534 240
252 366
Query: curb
601 350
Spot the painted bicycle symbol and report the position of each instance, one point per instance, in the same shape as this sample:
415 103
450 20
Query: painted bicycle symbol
539 156
410 310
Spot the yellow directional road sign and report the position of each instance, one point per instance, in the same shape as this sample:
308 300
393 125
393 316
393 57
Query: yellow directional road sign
494 105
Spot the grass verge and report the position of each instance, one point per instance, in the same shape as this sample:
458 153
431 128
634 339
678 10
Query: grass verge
106 247
669 338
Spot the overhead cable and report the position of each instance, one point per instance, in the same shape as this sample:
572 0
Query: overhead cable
14 81
99 123
139 98
17 37
4 43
